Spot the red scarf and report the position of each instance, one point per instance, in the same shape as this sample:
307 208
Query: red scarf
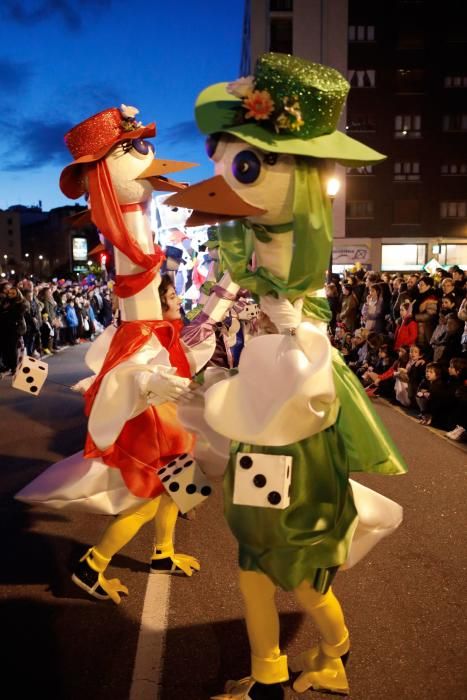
154 437
107 216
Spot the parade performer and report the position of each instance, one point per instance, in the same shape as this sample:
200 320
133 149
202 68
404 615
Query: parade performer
140 368
296 417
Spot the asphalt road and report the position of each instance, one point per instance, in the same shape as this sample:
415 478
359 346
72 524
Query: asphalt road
404 604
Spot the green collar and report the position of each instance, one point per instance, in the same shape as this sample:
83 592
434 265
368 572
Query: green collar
261 230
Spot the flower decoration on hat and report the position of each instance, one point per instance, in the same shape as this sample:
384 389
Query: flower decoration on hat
260 106
129 122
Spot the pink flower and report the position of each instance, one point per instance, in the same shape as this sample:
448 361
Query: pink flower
241 87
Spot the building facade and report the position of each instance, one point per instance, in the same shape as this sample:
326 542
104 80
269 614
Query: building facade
10 242
50 245
407 65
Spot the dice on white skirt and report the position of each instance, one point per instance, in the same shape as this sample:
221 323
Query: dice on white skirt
262 480
249 312
30 375
185 482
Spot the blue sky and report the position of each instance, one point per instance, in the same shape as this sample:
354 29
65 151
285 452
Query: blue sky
63 60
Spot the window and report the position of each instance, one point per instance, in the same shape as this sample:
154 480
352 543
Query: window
406 211
409 80
361 122
9 221
281 5
454 169
408 126
363 170
407 171
455 122
455 81
361 33
410 39
453 210
281 37
404 256
359 209
362 78
10 231
453 254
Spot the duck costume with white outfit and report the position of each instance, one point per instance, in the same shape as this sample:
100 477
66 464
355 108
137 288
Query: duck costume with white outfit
141 367
296 417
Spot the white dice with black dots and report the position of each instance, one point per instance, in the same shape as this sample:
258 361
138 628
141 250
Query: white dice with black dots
30 375
185 482
262 480
249 312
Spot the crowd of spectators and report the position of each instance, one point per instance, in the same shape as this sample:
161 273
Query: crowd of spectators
405 337
406 340
42 318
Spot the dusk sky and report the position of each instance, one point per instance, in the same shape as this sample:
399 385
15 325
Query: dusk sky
63 60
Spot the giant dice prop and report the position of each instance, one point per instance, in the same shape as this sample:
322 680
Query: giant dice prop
30 375
185 482
262 480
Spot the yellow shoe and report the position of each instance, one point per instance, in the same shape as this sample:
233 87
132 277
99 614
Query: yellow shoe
320 672
173 563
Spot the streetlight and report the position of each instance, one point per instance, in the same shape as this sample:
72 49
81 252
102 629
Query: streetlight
41 257
333 186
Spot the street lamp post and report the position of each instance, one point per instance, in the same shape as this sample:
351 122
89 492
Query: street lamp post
333 186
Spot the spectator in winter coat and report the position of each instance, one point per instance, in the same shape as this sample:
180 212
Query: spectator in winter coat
71 322
425 312
47 334
406 329
373 316
349 308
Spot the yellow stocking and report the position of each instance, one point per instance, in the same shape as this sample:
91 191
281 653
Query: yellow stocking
125 527
164 548
262 621
322 667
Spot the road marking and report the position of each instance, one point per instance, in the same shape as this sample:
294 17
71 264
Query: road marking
150 650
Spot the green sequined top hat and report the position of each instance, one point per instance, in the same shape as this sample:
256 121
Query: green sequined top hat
289 105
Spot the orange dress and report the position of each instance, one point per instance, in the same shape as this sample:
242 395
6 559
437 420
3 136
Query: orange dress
154 437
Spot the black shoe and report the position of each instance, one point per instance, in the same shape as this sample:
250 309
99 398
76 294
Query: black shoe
88 580
261 691
165 566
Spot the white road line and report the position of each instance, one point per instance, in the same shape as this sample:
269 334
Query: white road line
150 651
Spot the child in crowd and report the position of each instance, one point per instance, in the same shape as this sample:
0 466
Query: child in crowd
409 378
432 397
406 331
457 388
47 334
385 382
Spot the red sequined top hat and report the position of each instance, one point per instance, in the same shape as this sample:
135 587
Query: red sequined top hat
92 139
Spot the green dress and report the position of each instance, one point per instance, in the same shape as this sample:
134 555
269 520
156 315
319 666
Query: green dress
310 538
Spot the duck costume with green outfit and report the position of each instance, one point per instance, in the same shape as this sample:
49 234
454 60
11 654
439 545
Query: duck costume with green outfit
293 402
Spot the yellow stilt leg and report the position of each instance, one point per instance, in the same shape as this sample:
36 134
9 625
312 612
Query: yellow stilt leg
322 667
164 548
116 536
262 621
125 527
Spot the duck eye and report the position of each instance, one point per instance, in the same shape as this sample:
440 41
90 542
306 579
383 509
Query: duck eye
211 144
246 167
271 158
142 146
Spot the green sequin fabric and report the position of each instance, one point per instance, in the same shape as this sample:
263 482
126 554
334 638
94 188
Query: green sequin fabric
321 91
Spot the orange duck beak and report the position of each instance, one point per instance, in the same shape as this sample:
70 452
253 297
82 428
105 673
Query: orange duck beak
157 172
212 201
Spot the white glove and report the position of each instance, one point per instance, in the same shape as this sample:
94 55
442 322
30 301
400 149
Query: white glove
281 312
162 386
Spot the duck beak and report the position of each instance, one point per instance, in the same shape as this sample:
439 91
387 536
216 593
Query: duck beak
212 202
157 171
